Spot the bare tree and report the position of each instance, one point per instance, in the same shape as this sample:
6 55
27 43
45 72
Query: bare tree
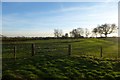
87 32
81 31
74 33
107 29
58 33
95 30
66 34
77 32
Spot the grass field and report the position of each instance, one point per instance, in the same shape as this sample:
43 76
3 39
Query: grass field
52 62
56 46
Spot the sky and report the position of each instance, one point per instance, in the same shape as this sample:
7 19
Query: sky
59 0
119 19
0 18
39 19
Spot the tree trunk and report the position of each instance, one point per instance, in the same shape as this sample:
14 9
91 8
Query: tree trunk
106 35
96 35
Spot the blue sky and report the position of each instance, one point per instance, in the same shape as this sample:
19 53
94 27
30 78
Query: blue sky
60 0
0 18
41 18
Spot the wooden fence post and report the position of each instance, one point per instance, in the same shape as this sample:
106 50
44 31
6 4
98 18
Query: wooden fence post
101 50
33 49
69 49
15 52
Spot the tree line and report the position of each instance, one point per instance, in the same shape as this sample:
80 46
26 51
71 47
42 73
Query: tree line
101 30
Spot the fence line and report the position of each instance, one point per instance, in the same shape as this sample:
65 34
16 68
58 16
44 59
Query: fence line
33 49
69 49
14 52
101 52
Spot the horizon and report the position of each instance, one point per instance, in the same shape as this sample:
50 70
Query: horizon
39 19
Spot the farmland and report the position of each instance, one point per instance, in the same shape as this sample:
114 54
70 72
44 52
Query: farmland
51 59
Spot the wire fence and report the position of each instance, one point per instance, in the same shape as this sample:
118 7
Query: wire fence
27 50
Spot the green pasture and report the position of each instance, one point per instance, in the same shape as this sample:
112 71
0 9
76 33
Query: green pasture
61 67
52 62
90 47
